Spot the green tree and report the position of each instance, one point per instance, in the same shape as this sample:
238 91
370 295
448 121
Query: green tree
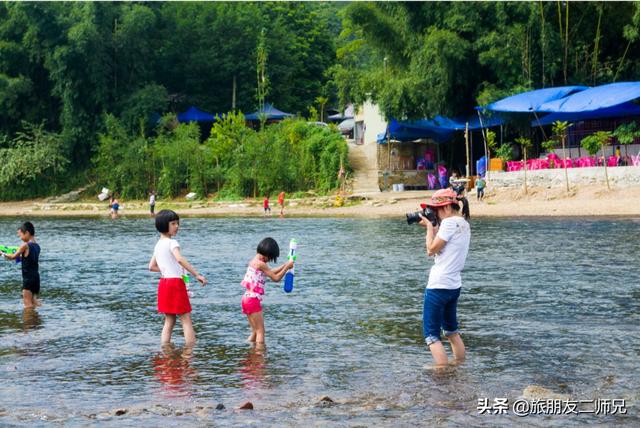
559 129
526 145
595 142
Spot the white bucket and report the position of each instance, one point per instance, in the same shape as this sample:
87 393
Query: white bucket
401 187
395 188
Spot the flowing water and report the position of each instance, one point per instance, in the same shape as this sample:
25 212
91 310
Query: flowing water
552 302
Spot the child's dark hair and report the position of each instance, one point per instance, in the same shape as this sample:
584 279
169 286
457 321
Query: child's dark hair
27 226
163 218
268 247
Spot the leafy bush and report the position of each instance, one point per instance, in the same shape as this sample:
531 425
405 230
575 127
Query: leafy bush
235 161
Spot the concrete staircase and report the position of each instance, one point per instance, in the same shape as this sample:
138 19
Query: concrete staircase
365 172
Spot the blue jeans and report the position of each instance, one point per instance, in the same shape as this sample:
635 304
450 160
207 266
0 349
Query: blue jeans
439 312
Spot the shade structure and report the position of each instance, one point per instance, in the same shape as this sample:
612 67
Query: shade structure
527 102
439 129
195 115
269 112
593 99
346 125
348 113
622 110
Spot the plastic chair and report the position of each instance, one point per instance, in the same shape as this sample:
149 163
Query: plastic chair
612 161
442 175
635 160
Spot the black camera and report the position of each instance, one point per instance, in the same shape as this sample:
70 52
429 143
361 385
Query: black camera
426 212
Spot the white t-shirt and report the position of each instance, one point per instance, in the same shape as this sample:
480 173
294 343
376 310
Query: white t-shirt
169 266
152 200
445 272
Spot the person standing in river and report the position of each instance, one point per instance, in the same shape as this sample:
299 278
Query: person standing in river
448 243
29 252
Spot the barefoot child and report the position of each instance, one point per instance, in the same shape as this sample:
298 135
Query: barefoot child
253 282
172 293
29 251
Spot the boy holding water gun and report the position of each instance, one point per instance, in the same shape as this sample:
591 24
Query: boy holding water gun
29 252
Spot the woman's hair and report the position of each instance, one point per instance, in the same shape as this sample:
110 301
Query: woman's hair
163 218
27 226
268 247
465 207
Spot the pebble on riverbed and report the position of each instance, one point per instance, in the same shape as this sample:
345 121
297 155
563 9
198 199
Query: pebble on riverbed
246 406
220 406
120 412
535 392
325 401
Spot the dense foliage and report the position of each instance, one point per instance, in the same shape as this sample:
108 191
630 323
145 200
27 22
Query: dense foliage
234 161
70 64
420 59
71 71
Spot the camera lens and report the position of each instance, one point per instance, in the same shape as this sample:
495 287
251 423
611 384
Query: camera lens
413 218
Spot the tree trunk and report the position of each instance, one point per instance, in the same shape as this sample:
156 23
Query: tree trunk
525 170
564 163
604 162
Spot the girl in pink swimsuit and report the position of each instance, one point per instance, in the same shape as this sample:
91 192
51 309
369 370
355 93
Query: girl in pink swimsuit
253 282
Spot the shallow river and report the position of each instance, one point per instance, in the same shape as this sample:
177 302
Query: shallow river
554 303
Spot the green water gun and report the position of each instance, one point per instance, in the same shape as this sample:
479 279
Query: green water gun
4 249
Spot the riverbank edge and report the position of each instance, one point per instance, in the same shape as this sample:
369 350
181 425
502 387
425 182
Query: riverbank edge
588 201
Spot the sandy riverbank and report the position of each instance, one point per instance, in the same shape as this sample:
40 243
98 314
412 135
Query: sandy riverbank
584 201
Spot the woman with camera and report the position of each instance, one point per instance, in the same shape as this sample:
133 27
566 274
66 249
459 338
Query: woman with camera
448 242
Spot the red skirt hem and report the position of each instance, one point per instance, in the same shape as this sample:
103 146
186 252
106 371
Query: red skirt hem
172 297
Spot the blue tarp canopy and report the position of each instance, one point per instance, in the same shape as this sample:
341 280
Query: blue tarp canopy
593 99
270 112
195 115
439 129
531 101
622 110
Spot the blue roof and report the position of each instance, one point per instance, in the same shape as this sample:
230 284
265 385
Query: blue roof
269 111
440 128
531 101
593 99
621 110
195 115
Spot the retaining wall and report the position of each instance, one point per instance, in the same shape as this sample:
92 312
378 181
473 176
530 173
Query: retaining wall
619 176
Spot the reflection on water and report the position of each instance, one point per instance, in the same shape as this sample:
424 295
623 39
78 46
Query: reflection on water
540 302
30 319
253 368
172 367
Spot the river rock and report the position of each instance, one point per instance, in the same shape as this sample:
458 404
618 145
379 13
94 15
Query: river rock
535 392
325 401
246 406
119 412
220 406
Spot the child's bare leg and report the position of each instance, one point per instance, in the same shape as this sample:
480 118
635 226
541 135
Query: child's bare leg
457 346
169 322
439 354
252 336
187 328
36 301
27 299
259 326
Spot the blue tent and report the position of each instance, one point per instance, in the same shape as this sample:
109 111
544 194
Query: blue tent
593 99
195 115
531 101
270 112
621 110
439 129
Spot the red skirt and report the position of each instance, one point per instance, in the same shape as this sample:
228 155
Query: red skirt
172 297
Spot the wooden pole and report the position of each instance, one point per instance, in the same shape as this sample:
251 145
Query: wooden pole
466 143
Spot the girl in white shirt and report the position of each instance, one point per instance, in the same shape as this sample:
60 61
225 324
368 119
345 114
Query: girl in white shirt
173 299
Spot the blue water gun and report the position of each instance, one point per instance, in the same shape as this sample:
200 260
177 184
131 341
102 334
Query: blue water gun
9 250
288 277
